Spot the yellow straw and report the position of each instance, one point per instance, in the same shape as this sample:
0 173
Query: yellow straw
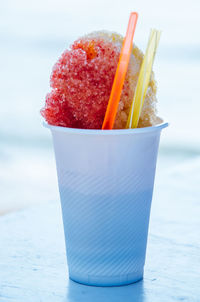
143 79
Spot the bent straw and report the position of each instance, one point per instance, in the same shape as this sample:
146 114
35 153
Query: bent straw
120 74
143 79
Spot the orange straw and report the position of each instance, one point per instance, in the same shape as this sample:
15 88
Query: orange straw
120 74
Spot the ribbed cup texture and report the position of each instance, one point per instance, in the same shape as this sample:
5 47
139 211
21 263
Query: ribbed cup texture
106 186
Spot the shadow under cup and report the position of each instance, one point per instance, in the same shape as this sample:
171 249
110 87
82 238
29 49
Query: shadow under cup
106 180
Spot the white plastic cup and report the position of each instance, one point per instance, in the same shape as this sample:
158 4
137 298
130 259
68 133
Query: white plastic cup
106 180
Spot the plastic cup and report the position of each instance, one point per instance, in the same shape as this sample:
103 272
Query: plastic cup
106 180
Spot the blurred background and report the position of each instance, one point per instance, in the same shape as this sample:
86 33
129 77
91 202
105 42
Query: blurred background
33 34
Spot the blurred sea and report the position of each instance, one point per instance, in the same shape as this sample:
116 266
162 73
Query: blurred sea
32 37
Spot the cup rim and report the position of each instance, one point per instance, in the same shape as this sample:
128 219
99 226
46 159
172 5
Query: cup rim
157 127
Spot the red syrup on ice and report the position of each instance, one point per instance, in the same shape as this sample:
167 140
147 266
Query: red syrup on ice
81 83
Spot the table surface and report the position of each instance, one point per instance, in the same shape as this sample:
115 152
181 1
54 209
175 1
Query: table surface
32 253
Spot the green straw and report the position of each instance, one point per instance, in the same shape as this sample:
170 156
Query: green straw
143 79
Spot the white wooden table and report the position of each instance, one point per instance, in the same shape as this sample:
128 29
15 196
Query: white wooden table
32 255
